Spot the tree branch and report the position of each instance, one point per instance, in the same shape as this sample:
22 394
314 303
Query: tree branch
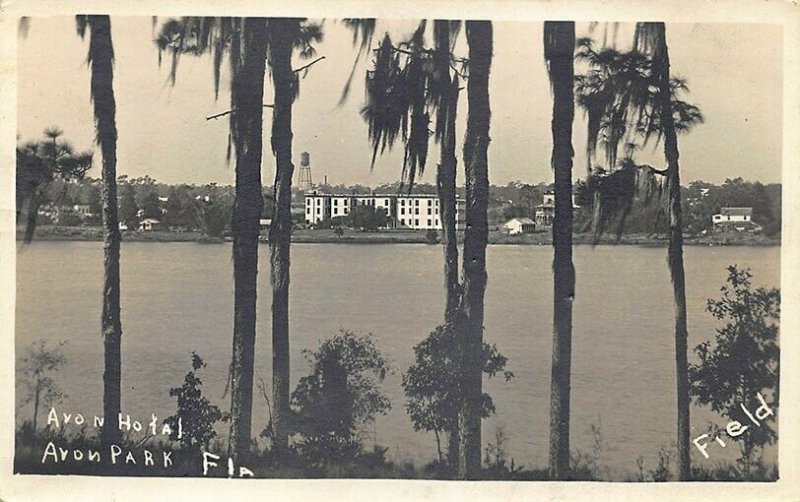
309 65
218 115
662 172
462 75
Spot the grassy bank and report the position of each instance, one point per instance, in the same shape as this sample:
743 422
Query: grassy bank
30 458
327 236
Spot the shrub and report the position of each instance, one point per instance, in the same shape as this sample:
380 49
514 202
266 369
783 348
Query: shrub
432 384
340 397
195 411
743 361
37 366
432 236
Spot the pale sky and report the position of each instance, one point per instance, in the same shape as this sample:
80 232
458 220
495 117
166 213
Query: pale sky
734 72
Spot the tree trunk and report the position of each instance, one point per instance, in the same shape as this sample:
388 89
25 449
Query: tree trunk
675 251
446 172
101 57
36 406
476 145
559 49
247 98
280 233
453 445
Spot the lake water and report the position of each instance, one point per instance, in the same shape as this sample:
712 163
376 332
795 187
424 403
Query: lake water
178 298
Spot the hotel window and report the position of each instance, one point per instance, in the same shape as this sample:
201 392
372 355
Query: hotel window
402 202
386 202
437 210
416 202
430 202
335 202
436 222
402 210
319 210
345 202
402 221
429 211
416 223
429 223
416 210
308 210
308 202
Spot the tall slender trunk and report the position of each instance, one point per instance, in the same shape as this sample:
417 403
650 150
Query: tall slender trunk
36 406
559 49
247 98
280 234
476 145
675 251
446 172
101 57
453 446
446 188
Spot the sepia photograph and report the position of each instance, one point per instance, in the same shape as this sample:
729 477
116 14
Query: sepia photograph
441 248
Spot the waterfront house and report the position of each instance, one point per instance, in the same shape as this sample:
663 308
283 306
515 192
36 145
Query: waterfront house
517 226
738 219
82 210
149 225
546 211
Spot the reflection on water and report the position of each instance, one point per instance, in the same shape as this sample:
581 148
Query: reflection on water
178 298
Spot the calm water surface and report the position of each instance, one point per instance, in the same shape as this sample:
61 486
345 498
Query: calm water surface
178 298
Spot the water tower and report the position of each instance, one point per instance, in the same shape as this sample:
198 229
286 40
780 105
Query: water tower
304 176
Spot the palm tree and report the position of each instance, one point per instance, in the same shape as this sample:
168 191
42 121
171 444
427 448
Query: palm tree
445 95
250 41
282 33
651 39
476 145
38 165
101 61
247 98
559 47
631 95
406 85
246 40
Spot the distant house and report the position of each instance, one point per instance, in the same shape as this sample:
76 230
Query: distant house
264 223
516 226
123 226
546 211
739 219
149 224
82 210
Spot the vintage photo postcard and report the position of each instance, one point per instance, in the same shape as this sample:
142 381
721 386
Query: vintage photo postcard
420 249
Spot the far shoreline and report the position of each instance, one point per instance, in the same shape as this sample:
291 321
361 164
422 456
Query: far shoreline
327 236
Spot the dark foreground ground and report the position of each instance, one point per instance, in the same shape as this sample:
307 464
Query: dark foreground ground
70 455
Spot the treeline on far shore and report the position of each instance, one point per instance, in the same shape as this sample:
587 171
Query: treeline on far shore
203 212
350 236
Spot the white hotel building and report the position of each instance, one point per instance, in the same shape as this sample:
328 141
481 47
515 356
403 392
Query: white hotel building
414 211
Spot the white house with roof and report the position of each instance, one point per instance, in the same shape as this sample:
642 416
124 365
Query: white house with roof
517 226
546 211
739 219
149 225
